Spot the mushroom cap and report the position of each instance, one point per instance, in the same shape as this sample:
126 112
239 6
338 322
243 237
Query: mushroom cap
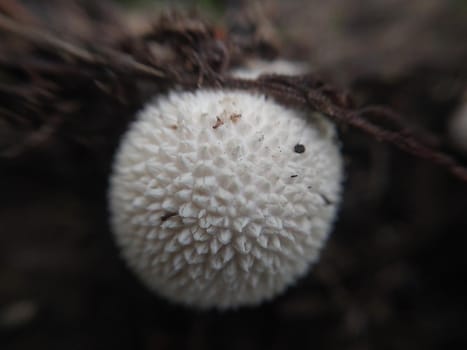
223 198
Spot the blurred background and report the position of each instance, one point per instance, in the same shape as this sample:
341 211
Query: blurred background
393 273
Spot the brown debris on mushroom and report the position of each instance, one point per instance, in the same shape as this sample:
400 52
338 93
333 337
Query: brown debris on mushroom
219 122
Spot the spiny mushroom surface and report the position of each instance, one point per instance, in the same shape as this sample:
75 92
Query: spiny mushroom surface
224 198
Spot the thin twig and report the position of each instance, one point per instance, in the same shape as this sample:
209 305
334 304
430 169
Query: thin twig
199 56
103 57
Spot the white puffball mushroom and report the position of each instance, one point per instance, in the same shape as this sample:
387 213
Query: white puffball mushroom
458 127
255 67
224 198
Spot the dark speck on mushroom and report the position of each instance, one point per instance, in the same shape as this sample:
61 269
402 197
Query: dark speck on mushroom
326 200
167 216
299 148
219 122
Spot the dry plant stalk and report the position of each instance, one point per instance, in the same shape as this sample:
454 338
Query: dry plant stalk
47 101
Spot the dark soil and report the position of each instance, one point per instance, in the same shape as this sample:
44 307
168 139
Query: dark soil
393 273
